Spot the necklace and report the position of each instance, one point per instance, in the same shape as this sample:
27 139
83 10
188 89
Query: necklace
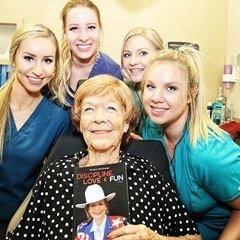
170 147
85 161
97 58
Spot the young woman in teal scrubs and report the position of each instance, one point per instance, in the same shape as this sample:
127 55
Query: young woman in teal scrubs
204 161
30 123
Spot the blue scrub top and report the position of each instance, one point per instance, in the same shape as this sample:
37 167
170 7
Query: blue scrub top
24 152
106 65
103 65
207 176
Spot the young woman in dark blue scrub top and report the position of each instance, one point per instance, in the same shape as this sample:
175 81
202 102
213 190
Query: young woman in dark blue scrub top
30 123
80 48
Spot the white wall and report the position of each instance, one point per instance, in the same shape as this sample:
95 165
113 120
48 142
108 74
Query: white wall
200 21
233 47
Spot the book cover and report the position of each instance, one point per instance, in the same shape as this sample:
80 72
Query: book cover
100 201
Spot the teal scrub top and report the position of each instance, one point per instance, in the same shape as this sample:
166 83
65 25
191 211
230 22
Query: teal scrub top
207 176
150 130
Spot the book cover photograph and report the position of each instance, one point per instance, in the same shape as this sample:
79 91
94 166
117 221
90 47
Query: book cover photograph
100 201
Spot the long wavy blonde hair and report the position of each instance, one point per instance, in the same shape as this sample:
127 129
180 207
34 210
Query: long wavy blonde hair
66 56
27 31
189 60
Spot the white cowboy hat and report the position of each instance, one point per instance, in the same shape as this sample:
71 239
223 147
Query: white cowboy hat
94 193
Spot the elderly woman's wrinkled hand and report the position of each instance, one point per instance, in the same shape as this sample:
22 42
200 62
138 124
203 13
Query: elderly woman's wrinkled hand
134 232
83 162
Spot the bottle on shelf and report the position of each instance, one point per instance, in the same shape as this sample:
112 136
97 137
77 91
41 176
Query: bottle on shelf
209 109
229 111
218 108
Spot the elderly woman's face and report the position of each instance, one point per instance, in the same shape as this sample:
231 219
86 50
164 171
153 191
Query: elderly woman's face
102 122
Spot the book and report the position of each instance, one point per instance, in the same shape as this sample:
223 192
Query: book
100 200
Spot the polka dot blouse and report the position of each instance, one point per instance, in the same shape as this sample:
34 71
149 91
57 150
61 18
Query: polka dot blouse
152 201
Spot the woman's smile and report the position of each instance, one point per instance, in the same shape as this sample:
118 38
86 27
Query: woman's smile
102 122
84 46
157 111
101 132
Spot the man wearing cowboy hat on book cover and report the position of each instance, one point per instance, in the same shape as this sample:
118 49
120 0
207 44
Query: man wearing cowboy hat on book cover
99 223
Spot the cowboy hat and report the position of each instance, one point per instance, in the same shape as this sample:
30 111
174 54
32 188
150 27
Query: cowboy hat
94 193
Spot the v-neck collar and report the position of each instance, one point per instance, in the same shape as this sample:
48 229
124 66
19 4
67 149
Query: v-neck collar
28 122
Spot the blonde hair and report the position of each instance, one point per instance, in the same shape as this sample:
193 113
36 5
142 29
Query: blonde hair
189 61
27 31
148 33
66 56
102 85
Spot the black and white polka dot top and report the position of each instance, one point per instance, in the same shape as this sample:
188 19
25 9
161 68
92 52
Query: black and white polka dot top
152 201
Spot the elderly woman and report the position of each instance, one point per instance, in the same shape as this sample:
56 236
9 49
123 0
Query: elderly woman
104 113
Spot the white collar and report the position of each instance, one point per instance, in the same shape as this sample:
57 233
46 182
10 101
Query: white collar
95 227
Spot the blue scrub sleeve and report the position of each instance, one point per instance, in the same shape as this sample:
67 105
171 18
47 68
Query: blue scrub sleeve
219 169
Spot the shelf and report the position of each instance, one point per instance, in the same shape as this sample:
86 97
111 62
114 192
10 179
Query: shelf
7 28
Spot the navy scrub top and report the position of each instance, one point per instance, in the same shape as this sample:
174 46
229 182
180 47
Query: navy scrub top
24 152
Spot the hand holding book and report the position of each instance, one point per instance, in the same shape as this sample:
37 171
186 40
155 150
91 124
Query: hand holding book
131 232
140 231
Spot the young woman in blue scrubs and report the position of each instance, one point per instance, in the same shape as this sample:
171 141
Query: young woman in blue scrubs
80 48
30 123
204 161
